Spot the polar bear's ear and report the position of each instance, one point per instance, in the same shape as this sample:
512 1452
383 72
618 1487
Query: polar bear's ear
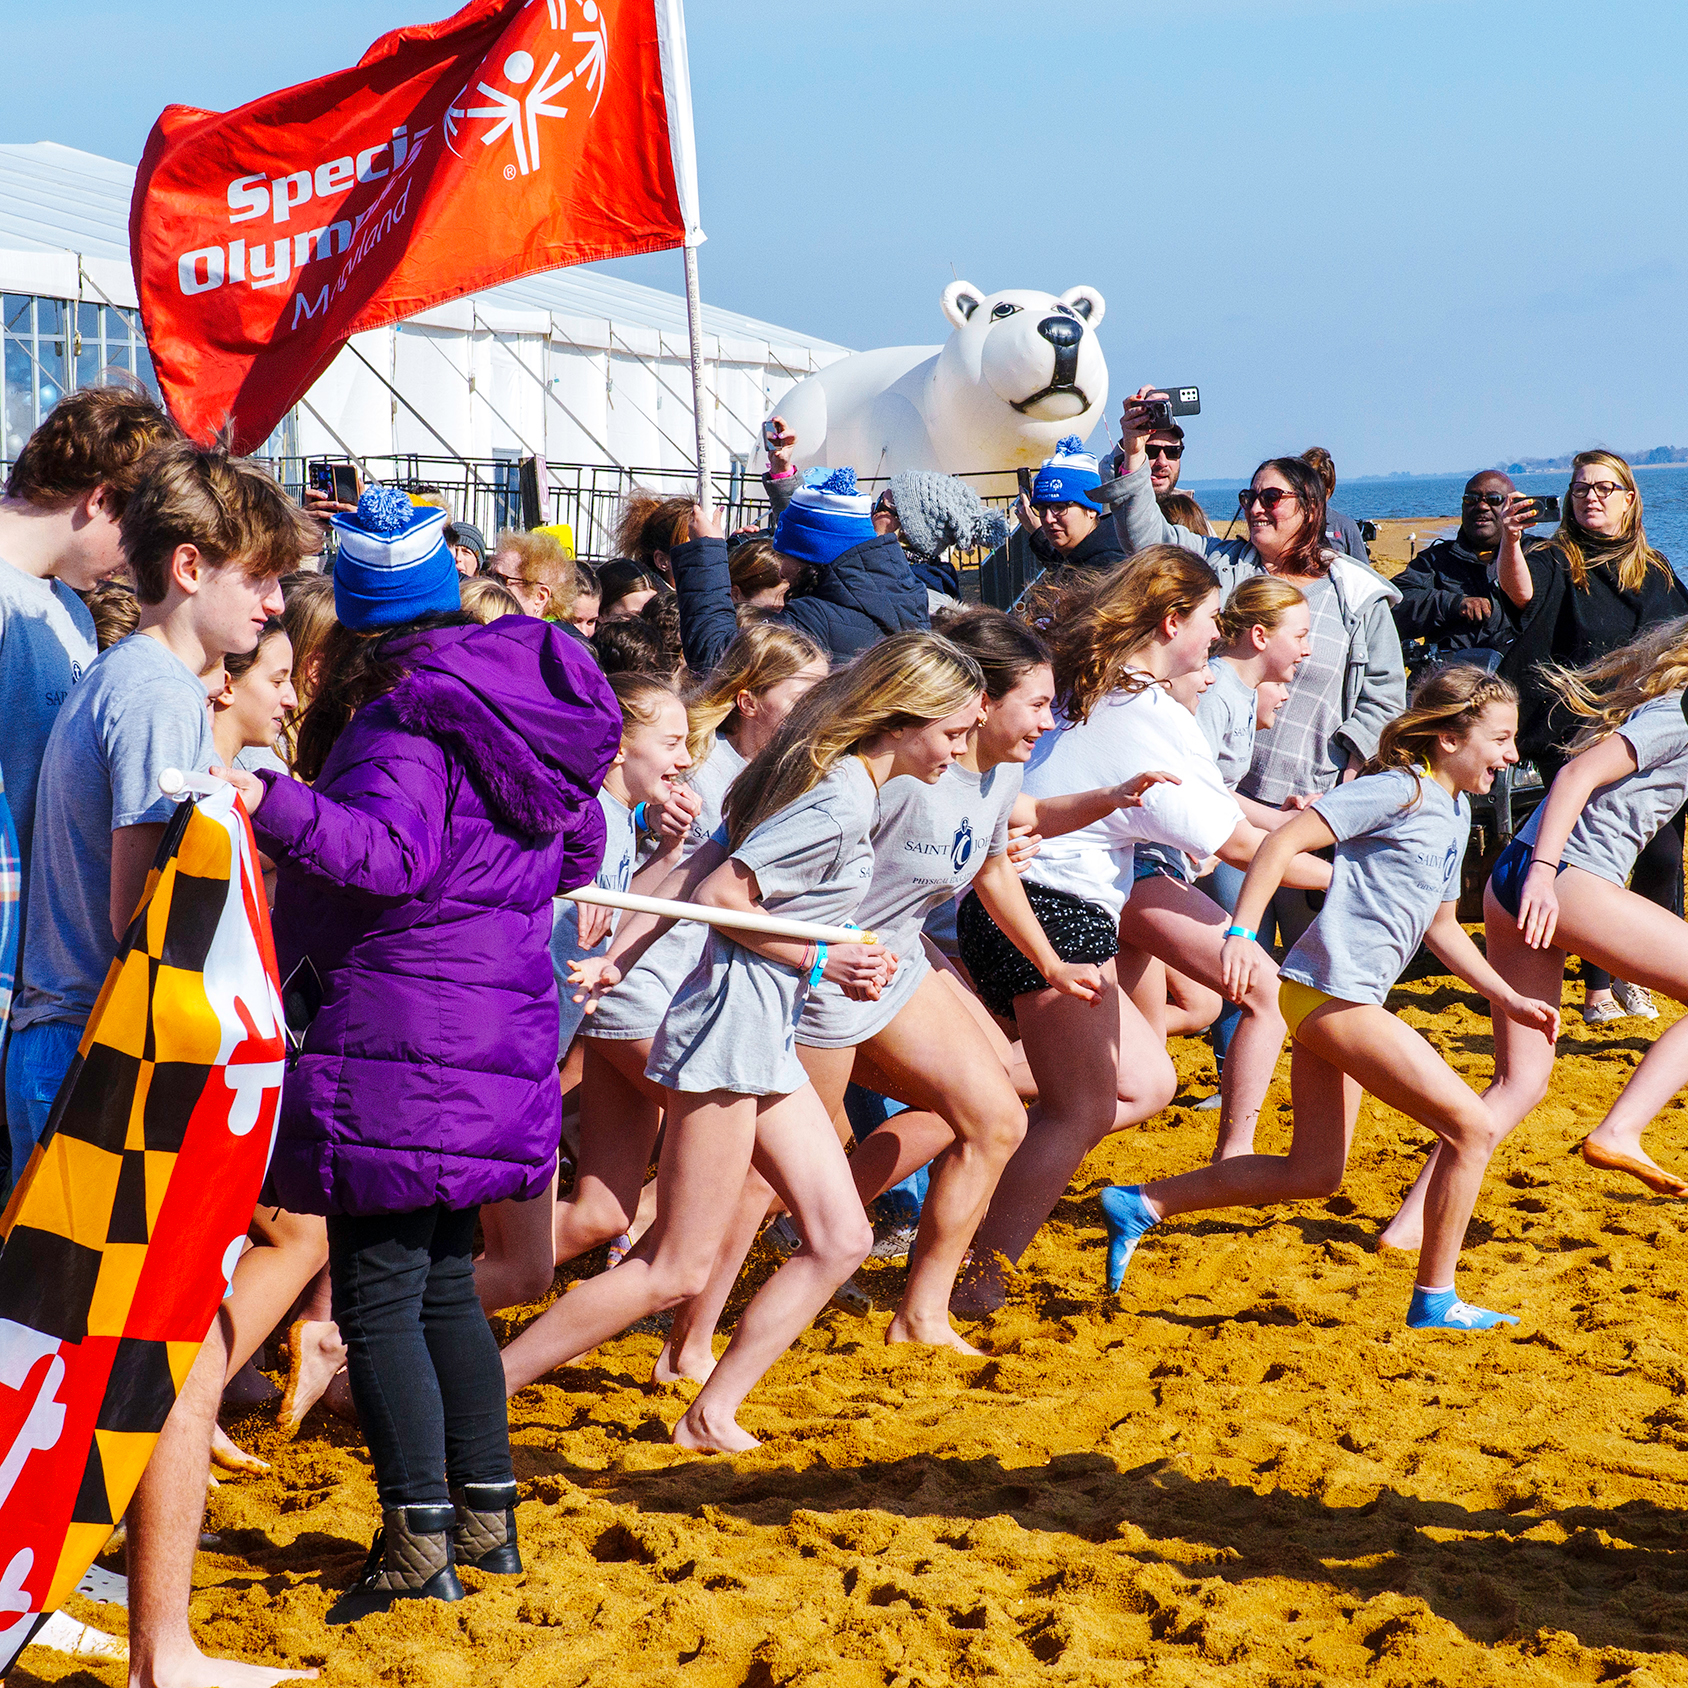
1087 302
960 301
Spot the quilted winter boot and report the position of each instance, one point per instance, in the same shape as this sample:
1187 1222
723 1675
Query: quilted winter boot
485 1536
410 1559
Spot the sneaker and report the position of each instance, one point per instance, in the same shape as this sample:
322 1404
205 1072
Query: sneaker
1634 1000
1599 1013
893 1241
1208 1104
783 1236
850 1297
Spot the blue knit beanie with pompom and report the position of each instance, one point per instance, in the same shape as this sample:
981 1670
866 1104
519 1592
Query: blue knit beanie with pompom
1069 477
394 564
822 522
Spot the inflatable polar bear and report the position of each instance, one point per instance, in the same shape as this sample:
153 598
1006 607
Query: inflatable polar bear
1021 369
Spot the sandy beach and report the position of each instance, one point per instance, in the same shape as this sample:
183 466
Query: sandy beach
1243 1460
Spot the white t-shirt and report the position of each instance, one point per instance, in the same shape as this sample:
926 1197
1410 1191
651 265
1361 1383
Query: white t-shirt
1128 734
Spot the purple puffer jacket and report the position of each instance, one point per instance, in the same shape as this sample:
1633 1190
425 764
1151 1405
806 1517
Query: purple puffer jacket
418 875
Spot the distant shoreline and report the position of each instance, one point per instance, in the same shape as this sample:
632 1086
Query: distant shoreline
1222 483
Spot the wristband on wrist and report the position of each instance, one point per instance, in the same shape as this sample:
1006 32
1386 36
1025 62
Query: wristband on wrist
1542 861
1241 932
819 966
639 822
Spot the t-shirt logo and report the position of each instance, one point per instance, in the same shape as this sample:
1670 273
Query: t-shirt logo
962 848
75 672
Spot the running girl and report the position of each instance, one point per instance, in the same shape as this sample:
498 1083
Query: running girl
765 670
798 823
1561 886
1400 832
519 1261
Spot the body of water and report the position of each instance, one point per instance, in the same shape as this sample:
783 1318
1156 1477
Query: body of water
1664 501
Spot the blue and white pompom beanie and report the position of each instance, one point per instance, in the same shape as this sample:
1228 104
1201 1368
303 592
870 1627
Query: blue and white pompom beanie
394 564
822 522
1069 477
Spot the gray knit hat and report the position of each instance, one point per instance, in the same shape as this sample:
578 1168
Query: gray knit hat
937 511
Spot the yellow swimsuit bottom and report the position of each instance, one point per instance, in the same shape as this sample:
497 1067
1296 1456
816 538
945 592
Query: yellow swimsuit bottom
1297 1001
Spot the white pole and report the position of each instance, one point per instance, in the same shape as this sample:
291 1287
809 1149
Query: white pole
694 332
807 930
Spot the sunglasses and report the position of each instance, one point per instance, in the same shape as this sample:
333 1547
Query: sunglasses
1268 498
1171 452
1494 500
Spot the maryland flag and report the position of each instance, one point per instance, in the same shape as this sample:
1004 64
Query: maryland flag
123 1233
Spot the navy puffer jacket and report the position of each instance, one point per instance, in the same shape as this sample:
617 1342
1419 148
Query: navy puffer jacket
865 594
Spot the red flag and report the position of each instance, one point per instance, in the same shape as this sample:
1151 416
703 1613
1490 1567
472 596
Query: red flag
519 135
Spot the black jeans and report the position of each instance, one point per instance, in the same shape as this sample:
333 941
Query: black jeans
422 1360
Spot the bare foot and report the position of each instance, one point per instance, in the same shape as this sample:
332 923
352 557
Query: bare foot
672 1368
249 1388
187 1667
1638 1164
705 1436
940 1335
1402 1233
314 1354
227 1457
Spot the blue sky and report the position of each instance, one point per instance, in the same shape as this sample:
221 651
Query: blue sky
1426 235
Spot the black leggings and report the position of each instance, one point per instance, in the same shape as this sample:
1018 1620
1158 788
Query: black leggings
422 1360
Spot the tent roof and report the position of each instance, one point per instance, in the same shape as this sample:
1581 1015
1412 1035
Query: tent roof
56 202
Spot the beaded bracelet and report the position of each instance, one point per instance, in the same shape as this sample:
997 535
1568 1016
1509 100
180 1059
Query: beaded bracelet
1241 932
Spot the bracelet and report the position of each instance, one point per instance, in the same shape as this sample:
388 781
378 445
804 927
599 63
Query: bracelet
639 818
1241 932
1542 861
819 966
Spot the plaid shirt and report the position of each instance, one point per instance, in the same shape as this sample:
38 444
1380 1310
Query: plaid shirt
11 891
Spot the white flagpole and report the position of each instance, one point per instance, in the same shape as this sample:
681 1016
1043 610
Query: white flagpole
682 148
751 921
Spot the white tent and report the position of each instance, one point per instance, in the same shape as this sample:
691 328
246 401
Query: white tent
583 371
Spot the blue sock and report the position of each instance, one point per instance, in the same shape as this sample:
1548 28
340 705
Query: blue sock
1127 1217
1442 1309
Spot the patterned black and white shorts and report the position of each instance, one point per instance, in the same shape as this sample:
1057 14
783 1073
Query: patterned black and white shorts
1076 930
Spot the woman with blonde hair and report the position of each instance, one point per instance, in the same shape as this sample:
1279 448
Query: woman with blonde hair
1560 886
1592 590
537 572
1118 644
798 821
765 671
1400 831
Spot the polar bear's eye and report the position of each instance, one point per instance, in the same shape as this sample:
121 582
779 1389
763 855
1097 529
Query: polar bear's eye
1003 309
1068 311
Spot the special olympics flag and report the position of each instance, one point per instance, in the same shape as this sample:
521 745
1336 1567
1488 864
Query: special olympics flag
518 135
122 1235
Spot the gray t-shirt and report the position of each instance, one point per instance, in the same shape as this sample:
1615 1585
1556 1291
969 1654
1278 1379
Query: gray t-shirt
930 841
138 710
1395 866
1225 713
252 757
732 1021
616 874
634 1009
46 646
1620 819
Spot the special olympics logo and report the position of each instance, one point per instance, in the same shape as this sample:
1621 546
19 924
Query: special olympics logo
518 94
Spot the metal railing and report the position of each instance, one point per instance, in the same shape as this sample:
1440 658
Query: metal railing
587 497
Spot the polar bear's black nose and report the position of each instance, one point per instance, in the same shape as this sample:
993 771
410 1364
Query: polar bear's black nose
1061 331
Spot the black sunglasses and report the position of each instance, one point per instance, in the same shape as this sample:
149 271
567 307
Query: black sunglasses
1172 452
1268 497
1494 500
